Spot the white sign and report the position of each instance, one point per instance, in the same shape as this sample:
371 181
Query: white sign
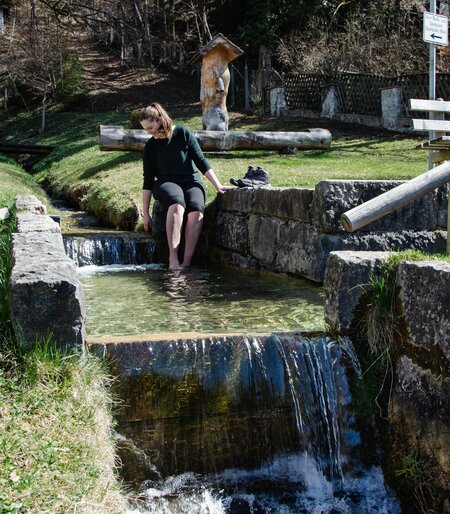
435 29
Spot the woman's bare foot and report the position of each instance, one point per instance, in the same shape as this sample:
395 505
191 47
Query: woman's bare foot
174 264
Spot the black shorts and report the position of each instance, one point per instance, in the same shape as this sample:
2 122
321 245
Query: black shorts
192 196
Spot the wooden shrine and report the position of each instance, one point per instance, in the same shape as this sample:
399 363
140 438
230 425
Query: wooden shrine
215 79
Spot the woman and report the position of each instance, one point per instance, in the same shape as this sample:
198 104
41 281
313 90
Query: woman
172 160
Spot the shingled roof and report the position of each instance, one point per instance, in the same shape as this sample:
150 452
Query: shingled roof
233 50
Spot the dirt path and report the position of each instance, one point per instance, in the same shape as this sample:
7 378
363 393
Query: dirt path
112 86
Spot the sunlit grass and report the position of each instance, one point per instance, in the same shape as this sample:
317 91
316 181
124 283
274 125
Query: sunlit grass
15 181
56 452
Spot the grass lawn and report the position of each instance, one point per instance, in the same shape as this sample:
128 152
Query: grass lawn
14 181
115 178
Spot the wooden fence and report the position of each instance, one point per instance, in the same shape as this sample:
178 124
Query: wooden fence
358 93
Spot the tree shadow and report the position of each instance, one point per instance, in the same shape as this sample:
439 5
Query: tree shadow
123 158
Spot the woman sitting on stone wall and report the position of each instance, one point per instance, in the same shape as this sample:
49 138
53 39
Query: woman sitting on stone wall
172 161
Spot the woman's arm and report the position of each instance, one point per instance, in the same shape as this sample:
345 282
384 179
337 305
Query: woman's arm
146 196
212 177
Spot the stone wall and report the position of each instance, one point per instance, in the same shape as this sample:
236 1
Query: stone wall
419 405
294 230
46 296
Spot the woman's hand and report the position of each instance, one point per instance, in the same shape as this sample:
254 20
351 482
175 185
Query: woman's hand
221 189
147 223
211 176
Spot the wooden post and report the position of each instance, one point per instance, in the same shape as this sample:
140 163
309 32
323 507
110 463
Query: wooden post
232 84
448 220
397 197
246 87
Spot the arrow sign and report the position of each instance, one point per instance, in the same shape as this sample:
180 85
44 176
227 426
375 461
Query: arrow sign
435 29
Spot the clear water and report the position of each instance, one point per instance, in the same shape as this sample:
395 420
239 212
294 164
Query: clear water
125 300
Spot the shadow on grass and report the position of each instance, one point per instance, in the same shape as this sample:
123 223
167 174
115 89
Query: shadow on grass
123 158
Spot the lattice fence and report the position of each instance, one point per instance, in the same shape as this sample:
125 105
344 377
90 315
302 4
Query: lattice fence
359 94
305 91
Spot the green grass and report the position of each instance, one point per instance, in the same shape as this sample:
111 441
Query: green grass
15 181
56 452
77 163
56 448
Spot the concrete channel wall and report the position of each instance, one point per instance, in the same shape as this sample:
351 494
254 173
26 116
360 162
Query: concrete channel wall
45 294
294 230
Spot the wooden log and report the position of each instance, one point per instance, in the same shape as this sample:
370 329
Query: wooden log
397 197
113 137
17 149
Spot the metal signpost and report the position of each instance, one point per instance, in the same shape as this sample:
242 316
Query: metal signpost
435 32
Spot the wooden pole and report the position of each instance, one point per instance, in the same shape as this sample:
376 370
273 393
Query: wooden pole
448 220
115 137
397 197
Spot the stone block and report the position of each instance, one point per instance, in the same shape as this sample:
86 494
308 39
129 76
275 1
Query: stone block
232 231
237 200
27 246
425 297
286 203
333 198
300 251
331 104
442 203
419 425
347 272
263 238
30 204
29 222
303 250
393 108
46 298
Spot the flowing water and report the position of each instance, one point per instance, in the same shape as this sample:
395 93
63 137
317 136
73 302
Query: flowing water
248 425
123 300
232 424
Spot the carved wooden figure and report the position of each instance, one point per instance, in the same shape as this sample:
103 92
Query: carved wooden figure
215 79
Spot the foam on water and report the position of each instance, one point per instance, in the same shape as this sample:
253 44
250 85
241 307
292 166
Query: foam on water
291 484
93 270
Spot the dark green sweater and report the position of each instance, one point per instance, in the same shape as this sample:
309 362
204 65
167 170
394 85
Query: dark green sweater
177 159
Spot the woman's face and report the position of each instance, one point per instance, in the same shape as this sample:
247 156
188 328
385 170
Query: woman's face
152 127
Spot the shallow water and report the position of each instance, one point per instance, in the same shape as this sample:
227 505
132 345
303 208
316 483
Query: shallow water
125 300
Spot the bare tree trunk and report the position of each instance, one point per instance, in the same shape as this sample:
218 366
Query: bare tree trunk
44 106
122 32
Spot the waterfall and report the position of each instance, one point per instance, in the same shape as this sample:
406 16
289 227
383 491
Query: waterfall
104 249
215 403
246 424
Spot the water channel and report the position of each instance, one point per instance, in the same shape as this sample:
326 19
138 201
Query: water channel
257 420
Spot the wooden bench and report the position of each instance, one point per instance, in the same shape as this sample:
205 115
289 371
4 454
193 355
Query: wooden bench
438 144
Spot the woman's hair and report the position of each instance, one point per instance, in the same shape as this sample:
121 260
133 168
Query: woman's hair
156 112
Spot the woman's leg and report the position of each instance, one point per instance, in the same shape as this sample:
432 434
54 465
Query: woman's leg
192 231
174 222
195 204
172 197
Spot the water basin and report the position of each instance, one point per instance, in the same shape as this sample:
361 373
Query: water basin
126 300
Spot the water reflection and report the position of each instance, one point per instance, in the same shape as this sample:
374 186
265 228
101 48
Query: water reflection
133 300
